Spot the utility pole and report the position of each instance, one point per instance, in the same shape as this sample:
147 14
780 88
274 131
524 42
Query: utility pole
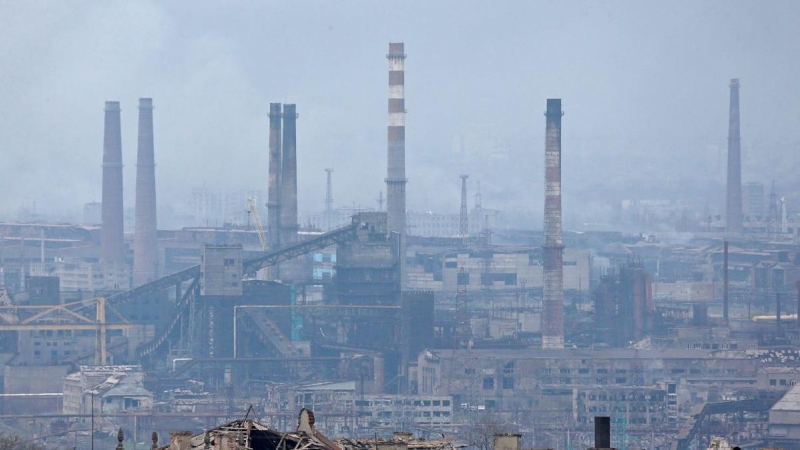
92 438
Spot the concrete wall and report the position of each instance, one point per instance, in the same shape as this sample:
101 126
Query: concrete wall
34 379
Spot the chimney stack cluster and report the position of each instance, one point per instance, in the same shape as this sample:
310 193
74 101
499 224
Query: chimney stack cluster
112 240
282 190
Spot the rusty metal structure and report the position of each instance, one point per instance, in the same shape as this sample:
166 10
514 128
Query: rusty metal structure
463 224
553 290
112 239
145 241
733 208
396 164
288 189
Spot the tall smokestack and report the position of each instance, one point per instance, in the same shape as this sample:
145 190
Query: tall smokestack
145 240
273 196
289 176
329 193
463 224
112 240
725 281
396 164
733 209
553 291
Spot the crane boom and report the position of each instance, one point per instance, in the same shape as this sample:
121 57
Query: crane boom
262 238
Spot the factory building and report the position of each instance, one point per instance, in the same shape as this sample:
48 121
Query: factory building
499 269
106 389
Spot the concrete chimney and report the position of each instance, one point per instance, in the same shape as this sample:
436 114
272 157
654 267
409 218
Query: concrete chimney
288 189
463 224
553 290
329 192
273 196
725 304
396 160
145 239
112 240
733 208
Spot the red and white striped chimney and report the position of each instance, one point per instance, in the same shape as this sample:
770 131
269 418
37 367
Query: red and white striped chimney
396 157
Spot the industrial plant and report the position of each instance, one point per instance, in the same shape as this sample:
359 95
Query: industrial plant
263 324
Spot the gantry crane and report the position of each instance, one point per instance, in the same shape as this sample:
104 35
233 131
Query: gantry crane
65 317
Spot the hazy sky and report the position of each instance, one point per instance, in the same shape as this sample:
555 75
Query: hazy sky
644 88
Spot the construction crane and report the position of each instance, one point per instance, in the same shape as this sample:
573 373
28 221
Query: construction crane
66 317
262 238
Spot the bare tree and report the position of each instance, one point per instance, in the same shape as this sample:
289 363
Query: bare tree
480 433
14 442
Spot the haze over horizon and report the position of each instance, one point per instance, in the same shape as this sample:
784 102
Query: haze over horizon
644 88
